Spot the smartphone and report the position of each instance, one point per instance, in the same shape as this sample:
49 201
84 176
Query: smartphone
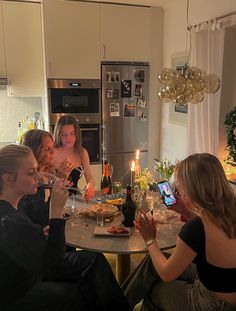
166 192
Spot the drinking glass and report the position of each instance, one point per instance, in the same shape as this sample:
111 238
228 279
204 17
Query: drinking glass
70 205
151 198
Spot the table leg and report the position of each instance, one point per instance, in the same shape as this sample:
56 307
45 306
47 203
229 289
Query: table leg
122 267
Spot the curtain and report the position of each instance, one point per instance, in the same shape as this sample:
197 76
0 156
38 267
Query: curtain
207 54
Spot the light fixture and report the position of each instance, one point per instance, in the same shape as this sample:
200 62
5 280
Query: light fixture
186 84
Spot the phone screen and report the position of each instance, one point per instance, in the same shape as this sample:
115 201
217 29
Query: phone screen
166 192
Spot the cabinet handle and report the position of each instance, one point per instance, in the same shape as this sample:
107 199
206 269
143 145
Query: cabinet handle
84 129
104 51
103 137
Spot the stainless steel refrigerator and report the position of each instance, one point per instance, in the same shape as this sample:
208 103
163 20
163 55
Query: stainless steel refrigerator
125 90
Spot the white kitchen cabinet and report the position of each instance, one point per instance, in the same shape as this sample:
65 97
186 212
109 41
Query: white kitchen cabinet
125 33
24 48
2 53
72 36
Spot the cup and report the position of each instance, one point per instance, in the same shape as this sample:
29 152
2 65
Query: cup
116 187
100 219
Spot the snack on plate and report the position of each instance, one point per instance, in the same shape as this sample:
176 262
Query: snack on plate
105 209
118 201
118 230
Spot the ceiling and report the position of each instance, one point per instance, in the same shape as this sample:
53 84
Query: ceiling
158 3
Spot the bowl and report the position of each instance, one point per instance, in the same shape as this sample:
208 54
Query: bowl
108 210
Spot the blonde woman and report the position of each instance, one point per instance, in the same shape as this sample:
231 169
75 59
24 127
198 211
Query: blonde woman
200 274
35 273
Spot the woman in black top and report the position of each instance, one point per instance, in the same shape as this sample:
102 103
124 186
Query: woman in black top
35 274
208 240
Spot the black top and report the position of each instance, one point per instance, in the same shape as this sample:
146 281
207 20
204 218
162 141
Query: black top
217 279
26 257
74 176
35 207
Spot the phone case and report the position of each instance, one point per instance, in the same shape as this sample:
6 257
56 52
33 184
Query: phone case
166 192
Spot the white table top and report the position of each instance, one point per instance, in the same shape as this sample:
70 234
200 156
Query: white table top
79 233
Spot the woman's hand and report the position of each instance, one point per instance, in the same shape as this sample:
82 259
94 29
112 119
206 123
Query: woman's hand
90 192
146 227
59 196
184 207
64 169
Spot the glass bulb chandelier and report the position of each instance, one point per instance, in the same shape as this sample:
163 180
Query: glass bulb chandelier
186 84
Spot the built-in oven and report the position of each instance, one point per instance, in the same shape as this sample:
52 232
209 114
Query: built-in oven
82 100
80 97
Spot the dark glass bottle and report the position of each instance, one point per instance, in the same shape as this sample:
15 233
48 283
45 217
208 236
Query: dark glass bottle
106 184
128 209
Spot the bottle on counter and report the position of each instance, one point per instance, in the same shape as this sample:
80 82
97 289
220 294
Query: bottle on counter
106 184
128 209
19 132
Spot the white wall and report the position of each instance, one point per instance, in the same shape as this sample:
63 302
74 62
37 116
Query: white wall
173 137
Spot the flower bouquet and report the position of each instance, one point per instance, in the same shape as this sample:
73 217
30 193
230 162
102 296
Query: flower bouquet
164 168
144 179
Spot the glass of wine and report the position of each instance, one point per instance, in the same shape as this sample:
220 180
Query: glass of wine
151 198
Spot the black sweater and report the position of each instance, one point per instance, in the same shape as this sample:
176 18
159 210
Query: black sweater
26 256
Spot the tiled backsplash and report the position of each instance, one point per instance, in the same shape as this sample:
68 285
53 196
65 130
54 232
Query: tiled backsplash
13 110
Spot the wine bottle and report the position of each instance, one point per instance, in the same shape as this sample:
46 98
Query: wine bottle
128 209
106 184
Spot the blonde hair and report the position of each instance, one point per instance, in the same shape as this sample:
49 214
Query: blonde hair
204 181
9 159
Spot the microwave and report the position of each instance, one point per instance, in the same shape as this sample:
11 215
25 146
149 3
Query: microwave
78 97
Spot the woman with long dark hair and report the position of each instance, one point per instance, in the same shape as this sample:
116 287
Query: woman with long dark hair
68 146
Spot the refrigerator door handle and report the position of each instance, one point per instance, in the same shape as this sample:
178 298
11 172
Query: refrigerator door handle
103 137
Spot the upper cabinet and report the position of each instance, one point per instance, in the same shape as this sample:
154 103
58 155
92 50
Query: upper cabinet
2 53
72 38
125 33
23 48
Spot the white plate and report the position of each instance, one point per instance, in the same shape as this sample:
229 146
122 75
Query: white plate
102 231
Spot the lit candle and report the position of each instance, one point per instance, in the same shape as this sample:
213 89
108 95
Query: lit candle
137 166
132 175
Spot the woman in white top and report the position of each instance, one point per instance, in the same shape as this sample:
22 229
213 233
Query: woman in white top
68 145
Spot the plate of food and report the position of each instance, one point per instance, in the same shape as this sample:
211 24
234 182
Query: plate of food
115 231
106 209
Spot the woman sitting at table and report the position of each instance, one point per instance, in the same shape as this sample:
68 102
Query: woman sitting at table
208 240
68 145
37 205
35 273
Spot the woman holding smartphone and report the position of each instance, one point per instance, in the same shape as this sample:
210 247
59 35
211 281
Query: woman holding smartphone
200 274
68 146
35 273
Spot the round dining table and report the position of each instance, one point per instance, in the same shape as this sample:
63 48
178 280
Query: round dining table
80 234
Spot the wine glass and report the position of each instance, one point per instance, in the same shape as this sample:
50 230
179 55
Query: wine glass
151 198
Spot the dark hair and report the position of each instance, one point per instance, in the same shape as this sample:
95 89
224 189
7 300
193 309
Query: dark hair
68 120
9 159
34 140
203 180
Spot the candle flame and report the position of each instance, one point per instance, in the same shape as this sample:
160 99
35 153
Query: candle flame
137 154
133 166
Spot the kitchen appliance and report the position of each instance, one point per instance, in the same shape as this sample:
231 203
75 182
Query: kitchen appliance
78 97
125 90
82 100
